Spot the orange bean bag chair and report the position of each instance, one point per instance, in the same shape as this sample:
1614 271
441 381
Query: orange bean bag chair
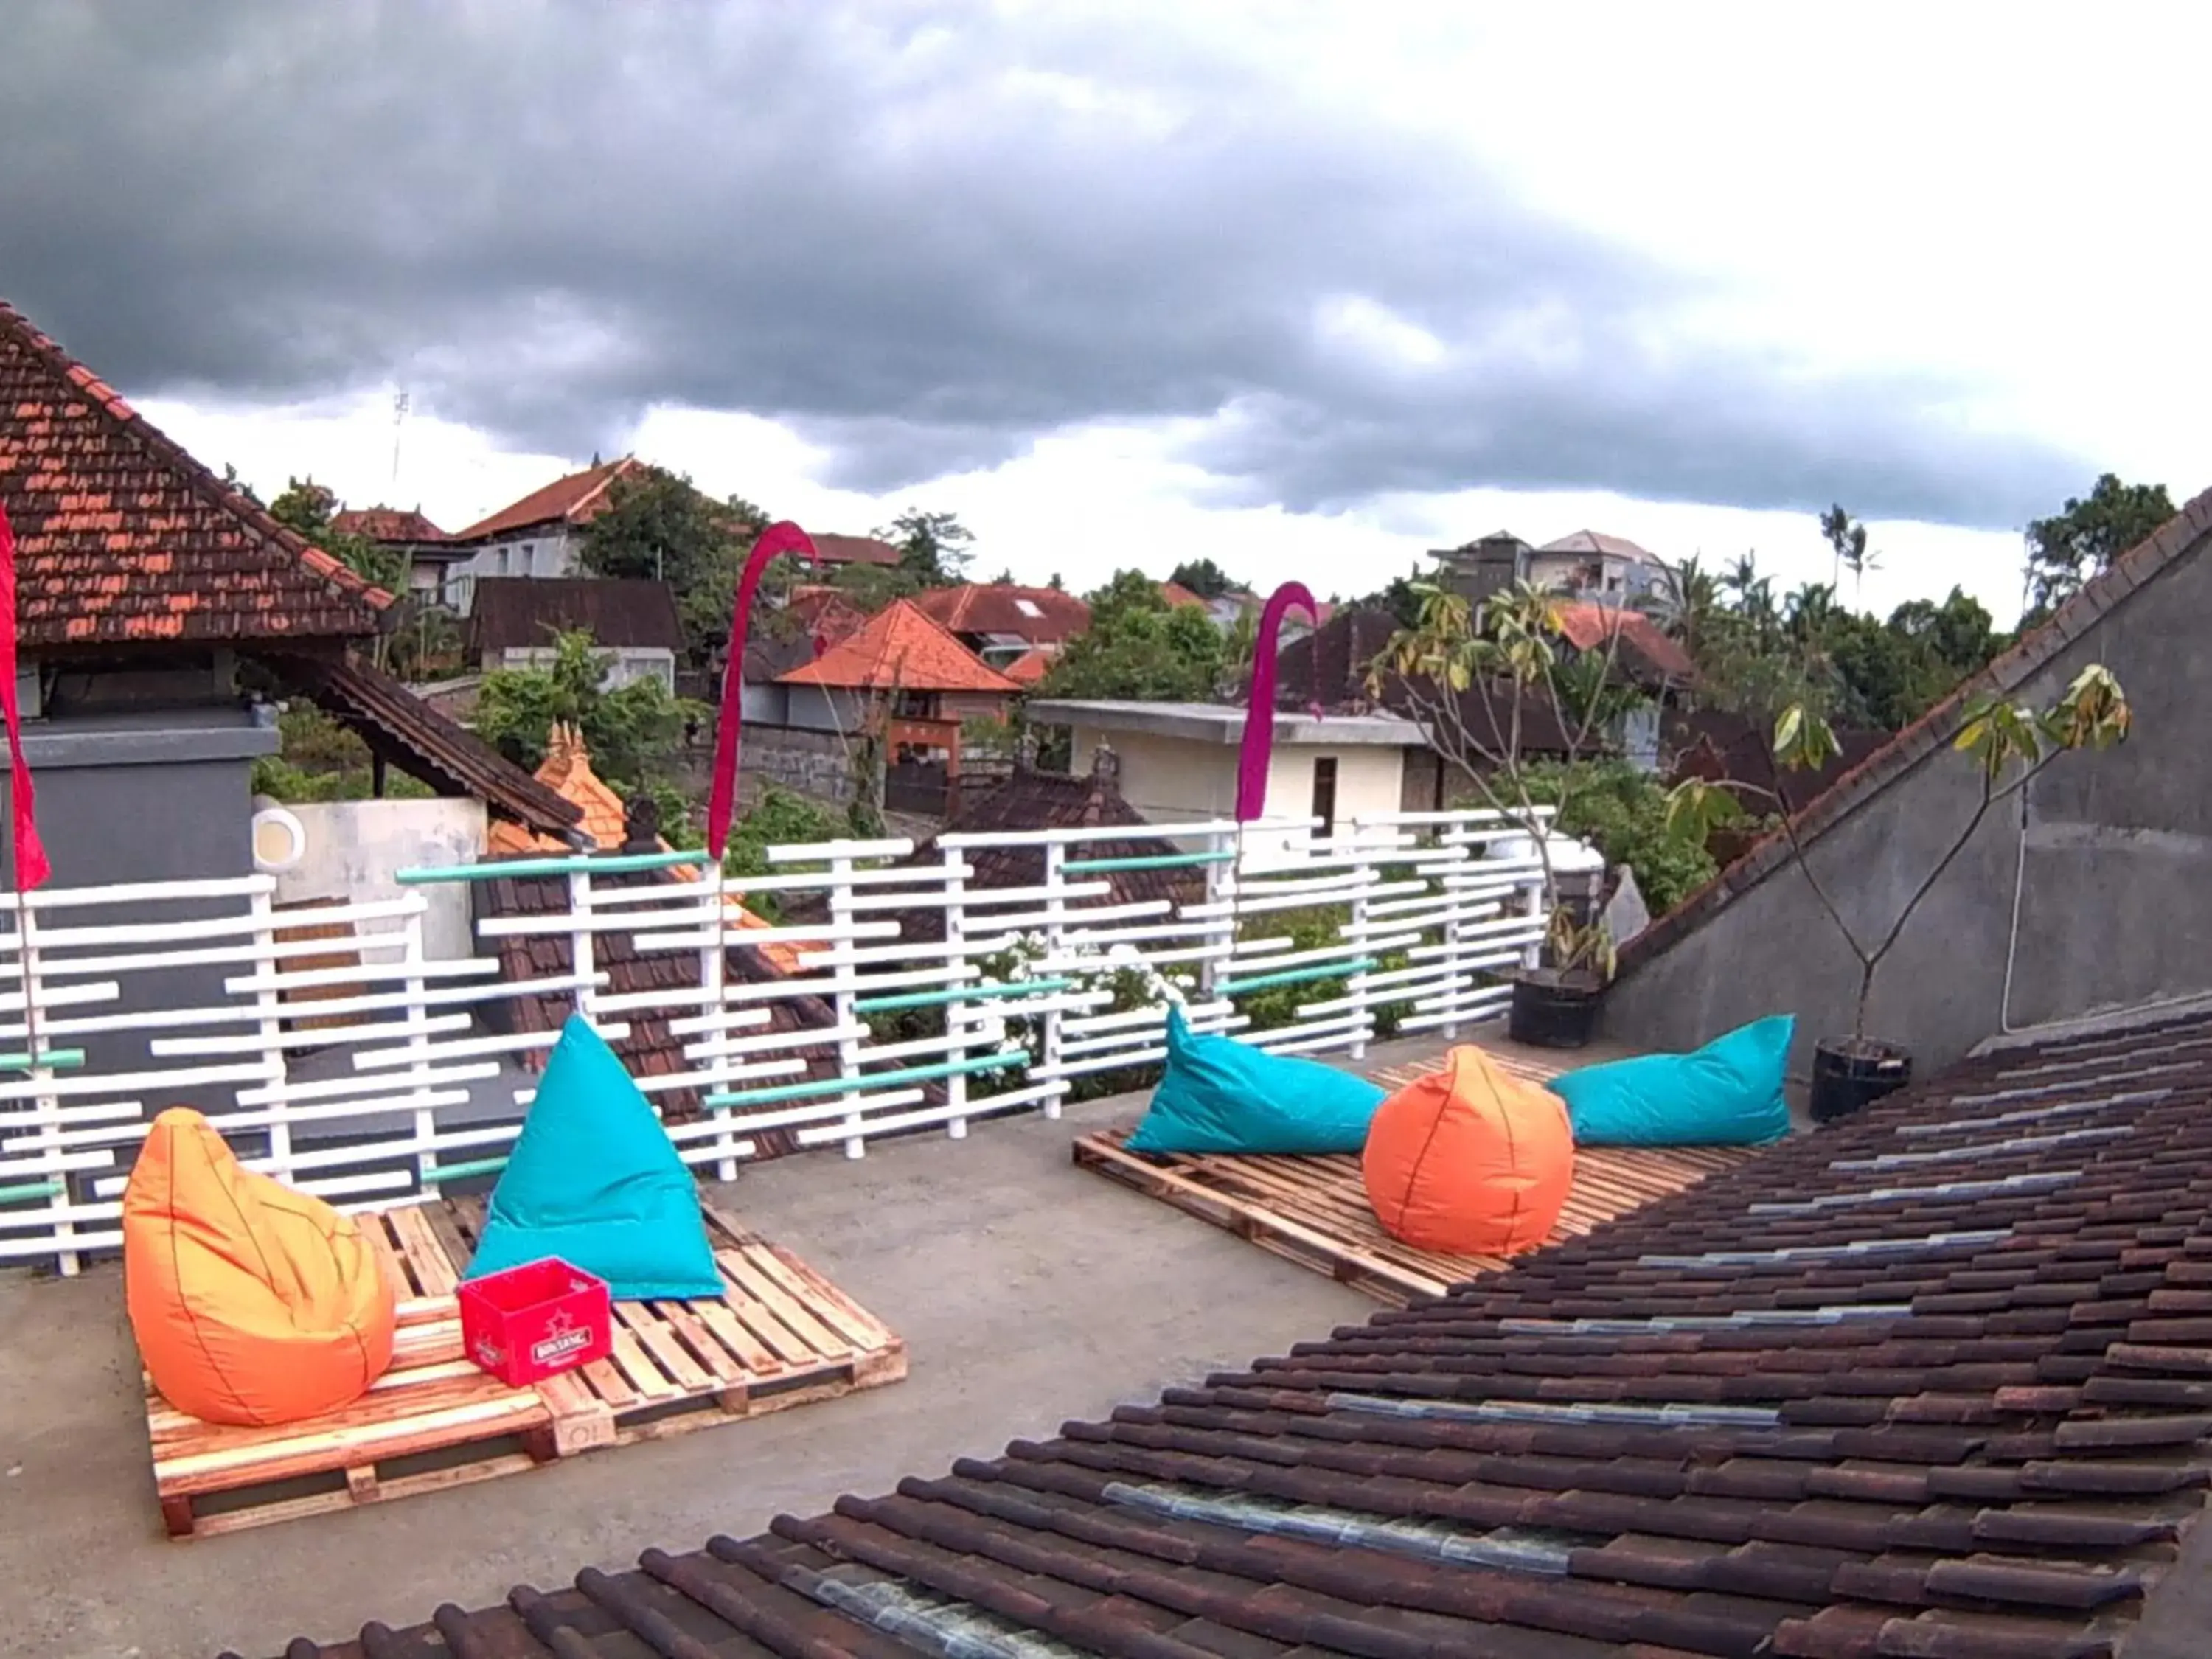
252 1304
1470 1160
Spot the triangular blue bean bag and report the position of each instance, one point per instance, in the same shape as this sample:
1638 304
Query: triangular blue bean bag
594 1180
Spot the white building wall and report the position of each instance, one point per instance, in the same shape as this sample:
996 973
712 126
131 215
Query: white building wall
352 849
1183 779
625 666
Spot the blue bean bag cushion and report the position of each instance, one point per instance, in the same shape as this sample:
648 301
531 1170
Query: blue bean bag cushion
1727 1094
595 1181
1222 1096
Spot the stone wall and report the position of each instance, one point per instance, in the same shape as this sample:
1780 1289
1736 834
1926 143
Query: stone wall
817 763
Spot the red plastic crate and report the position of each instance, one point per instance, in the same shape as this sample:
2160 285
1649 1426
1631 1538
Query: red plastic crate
535 1321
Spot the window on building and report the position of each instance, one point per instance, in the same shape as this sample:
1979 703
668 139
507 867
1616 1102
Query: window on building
1324 793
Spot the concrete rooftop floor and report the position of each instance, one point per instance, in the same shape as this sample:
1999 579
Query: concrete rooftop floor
1029 1291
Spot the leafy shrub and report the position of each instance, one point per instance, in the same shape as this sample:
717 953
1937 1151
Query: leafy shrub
1623 813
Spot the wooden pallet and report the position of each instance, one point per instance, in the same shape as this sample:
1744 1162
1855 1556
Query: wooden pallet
779 1335
1314 1211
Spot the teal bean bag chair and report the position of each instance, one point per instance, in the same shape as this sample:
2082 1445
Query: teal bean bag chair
1221 1095
1727 1094
594 1180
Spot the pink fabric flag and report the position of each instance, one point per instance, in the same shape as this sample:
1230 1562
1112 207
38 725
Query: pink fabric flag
31 867
722 801
1260 707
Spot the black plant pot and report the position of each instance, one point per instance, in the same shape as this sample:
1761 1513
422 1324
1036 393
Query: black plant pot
1553 1010
1851 1073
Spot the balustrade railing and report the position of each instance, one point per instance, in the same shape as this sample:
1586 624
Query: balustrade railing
336 1055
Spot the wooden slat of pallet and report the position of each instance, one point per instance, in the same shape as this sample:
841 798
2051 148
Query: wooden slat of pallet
779 1335
1314 1211
432 1404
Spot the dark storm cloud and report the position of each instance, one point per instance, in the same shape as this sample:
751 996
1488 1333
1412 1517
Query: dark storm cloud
889 228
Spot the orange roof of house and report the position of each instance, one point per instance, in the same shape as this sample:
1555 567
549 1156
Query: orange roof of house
568 769
386 524
1175 594
1588 626
121 537
828 613
1031 666
577 499
1041 615
900 649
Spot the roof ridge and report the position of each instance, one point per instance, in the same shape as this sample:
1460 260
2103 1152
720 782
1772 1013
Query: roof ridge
2104 593
189 469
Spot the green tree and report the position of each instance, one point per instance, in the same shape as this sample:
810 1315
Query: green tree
1202 577
634 734
307 508
1138 646
2084 536
932 546
1847 539
659 527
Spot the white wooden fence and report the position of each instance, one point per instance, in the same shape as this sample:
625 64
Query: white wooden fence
336 1055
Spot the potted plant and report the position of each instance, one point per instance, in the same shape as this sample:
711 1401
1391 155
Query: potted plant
2010 744
1555 1004
1522 717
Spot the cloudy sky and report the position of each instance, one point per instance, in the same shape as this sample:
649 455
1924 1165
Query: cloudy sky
1306 287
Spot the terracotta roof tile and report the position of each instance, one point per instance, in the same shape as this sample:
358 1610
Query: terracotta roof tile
1043 616
833 548
567 772
1708 1427
902 648
400 526
1030 667
576 499
1644 648
120 536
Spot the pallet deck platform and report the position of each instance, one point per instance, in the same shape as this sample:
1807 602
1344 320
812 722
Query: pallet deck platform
1314 1211
779 1335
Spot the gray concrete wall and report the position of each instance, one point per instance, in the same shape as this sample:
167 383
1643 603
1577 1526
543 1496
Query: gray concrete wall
152 797
2114 876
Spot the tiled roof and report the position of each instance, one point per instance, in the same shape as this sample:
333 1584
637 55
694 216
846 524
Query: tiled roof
522 613
400 526
120 536
2180 535
1030 667
902 648
1041 616
1644 651
1935 1383
1176 594
833 548
651 1049
577 499
409 733
567 771
827 615
1041 800
1597 542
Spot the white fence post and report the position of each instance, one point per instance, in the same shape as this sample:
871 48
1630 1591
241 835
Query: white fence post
1358 933
957 1034
1050 1042
848 1048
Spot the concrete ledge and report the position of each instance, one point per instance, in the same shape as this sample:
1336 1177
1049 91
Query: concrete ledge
62 747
